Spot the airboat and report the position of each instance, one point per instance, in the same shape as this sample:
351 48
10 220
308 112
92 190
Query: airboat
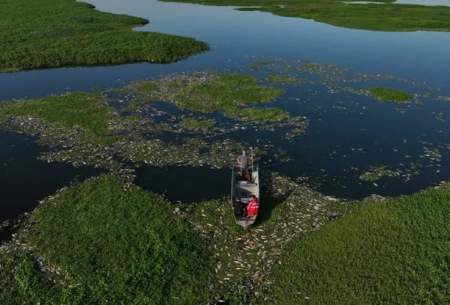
245 193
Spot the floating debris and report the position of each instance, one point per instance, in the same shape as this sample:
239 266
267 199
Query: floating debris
376 173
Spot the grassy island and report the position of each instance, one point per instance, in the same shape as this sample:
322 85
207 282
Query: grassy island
198 125
234 95
103 243
55 33
390 95
385 16
392 252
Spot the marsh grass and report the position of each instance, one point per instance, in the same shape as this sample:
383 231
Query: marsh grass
390 252
381 17
390 95
106 245
54 33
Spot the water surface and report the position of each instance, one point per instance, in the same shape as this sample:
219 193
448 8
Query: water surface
24 180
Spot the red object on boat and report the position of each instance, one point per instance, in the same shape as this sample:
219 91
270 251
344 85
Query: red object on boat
253 207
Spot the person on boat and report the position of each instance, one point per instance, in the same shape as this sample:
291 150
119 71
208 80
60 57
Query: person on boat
252 207
242 161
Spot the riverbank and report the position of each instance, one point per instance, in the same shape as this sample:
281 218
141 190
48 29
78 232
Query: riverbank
48 34
367 16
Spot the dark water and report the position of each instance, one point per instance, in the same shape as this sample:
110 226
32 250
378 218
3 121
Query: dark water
24 180
348 133
185 184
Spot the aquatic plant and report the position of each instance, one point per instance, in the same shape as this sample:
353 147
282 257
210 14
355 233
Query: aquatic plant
263 114
55 33
196 124
88 111
228 93
105 242
390 95
285 79
394 252
385 16
376 173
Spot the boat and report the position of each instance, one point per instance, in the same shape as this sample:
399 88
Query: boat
244 189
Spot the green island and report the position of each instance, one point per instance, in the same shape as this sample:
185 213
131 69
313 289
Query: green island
195 124
391 252
279 78
395 17
228 93
55 33
390 95
101 242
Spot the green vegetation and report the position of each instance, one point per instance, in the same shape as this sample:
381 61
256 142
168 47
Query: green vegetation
88 111
101 244
222 92
108 242
382 17
390 95
263 114
390 252
231 94
376 173
194 124
22 282
260 64
285 79
55 33
145 89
